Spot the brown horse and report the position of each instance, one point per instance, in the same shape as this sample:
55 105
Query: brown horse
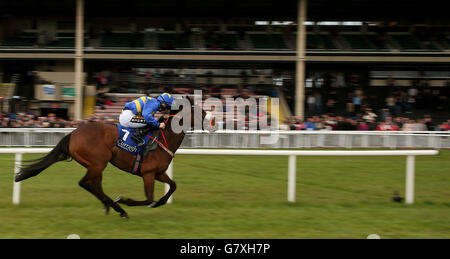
93 146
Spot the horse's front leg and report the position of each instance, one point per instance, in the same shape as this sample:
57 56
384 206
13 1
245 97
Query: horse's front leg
149 187
164 178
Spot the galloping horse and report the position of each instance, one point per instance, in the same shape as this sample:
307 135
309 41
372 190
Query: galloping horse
93 146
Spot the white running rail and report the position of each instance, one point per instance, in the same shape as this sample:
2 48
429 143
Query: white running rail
292 154
45 137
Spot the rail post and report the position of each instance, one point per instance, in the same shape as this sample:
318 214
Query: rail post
16 186
409 195
292 166
292 154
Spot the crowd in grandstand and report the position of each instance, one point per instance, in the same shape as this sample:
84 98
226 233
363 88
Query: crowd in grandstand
368 122
333 102
30 120
364 37
350 107
328 107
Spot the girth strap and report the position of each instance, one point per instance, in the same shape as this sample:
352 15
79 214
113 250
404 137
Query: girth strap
136 170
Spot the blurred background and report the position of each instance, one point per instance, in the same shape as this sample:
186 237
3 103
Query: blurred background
358 65
347 74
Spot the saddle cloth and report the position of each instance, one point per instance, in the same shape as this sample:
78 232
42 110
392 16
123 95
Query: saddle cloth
126 143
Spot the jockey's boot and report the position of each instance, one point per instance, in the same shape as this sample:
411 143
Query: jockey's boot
138 137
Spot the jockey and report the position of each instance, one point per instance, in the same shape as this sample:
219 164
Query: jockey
139 114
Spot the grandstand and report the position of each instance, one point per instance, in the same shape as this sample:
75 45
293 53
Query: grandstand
354 38
338 72
254 41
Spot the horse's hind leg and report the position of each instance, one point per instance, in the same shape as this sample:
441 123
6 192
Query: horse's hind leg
163 177
92 182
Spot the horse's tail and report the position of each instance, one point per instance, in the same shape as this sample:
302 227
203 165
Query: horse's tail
59 153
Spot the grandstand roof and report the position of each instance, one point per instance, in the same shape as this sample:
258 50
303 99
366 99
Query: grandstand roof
365 10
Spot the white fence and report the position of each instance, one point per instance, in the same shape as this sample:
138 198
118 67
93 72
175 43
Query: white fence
326 139
292 154
40 137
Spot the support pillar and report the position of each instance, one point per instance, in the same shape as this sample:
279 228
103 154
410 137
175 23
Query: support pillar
300 62
79 41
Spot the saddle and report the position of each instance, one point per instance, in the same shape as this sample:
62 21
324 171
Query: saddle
125 143
151 145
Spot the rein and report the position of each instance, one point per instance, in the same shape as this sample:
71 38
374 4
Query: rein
166 146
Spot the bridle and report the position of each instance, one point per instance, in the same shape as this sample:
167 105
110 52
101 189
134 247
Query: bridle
165 146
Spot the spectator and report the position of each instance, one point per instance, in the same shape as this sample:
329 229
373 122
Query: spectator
345 124
384 126
357 102
352 124
384 114
429 123
5 123
413 91
52 120
419 125
330 123
299 125
408 126
330 106
445 126
381 126
390 103
309 124
311 101
399 122
372 124
410 103
318 103
363 126
320 125
369 115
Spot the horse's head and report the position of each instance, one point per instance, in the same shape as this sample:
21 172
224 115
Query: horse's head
187 114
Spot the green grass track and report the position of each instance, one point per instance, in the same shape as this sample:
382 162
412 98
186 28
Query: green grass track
238 197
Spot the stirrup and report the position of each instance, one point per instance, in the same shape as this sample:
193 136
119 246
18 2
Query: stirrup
137 138
141 143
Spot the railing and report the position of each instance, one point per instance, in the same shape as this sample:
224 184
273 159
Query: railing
292 164
326 139
32 137
40 137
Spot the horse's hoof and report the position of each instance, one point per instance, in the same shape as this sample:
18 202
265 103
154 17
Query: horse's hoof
124 215
152 205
